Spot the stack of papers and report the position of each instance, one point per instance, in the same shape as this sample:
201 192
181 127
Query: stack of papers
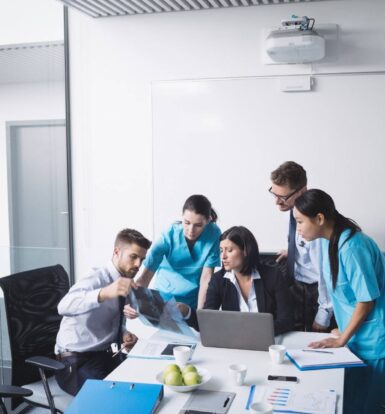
309 359
290 399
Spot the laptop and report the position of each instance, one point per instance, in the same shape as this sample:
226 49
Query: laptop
236 330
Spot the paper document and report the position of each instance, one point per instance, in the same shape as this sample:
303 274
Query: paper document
291 399
150 349
159 310
308 359
171 337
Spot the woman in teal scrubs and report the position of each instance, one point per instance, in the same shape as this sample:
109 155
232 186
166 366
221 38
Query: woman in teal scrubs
184 257
354 272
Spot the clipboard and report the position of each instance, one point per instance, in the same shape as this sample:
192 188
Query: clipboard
204 401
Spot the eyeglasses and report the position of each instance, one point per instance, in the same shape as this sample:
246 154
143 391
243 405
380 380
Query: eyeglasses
284 198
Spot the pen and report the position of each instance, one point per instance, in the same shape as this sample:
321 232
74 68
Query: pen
316 350
118 352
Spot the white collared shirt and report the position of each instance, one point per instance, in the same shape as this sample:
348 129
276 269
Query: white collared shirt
308 269
87 324
251 305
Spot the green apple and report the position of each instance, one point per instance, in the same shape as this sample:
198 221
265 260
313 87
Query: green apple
173 378
192 378
189 368
171 368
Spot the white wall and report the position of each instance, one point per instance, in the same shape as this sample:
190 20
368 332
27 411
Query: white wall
26 21
114 61
22 102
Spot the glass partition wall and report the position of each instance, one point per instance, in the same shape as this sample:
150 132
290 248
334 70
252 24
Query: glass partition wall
35 207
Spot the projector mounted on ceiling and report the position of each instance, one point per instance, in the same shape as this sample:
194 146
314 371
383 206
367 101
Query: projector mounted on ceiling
295 42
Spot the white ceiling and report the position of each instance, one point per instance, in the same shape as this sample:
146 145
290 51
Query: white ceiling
32 62
106 8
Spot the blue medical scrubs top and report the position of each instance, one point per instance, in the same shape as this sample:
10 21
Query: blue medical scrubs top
178 270
361 278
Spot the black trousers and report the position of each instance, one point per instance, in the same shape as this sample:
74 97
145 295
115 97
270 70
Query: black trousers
83 366
305 297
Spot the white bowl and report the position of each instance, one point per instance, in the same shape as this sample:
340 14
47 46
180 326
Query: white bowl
186 388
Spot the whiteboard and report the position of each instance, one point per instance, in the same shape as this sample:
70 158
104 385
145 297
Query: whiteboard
222 138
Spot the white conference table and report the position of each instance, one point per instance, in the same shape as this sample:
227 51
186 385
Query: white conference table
217 360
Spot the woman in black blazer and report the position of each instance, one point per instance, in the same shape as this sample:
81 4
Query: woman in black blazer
244 284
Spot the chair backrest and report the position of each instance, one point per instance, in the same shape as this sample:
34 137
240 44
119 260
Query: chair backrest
270 260
31 300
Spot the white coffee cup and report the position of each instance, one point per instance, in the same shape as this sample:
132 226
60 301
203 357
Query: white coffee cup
238 373
181 354
277 353
261 408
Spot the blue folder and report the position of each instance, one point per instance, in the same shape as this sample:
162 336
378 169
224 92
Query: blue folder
101 397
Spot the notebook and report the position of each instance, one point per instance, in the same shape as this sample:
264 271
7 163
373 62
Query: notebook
236 330
309 359
113 397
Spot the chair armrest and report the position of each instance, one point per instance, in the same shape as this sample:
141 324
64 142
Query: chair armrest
45 363
11 391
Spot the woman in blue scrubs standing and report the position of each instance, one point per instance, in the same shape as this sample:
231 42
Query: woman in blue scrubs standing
354 272
184 257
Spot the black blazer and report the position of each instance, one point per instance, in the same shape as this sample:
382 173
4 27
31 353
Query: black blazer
272 292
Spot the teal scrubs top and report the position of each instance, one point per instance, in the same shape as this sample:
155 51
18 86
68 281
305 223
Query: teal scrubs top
361 278
178 270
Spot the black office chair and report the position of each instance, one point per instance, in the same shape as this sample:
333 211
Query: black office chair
270 259
30 301
9 391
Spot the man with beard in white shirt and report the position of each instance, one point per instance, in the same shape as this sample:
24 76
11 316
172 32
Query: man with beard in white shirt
93 315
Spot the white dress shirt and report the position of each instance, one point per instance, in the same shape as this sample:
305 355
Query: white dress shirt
308 269
251 305
88 325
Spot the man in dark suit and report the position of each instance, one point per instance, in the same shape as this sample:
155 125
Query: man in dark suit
312 306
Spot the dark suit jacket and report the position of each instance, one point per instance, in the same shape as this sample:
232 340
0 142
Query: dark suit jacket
272 292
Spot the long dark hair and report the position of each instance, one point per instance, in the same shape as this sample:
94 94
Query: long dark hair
199 204
313 202
245 240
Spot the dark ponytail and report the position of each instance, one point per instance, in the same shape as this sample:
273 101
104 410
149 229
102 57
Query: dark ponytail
313 202
341 223
199 204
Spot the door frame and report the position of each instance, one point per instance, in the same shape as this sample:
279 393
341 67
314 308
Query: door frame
43 123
